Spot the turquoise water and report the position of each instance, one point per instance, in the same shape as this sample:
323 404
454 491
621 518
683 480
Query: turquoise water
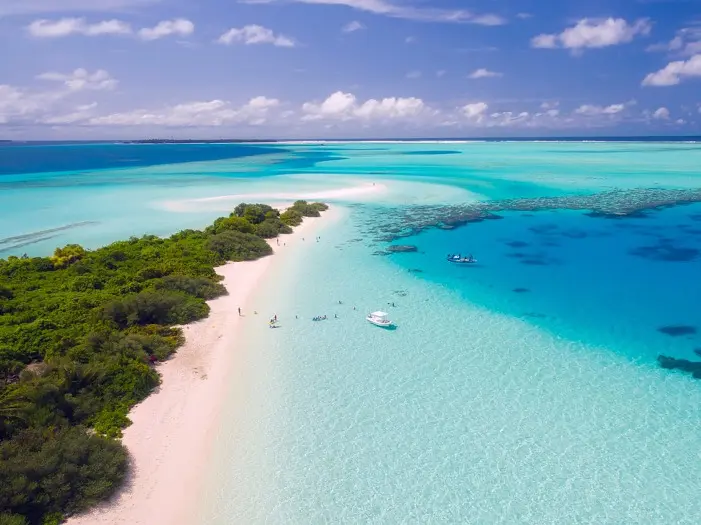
461 415
523 389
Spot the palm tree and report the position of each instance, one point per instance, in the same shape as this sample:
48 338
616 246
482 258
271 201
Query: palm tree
12 405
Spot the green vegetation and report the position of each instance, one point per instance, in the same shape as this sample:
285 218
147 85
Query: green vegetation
79 334
294 215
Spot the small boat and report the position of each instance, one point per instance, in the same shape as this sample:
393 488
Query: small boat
461 260
379 319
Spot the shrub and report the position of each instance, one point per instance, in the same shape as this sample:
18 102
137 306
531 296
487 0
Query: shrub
154 307
12 519
309 210
64 257
291 217
237 246
109 422
197 286
255 213
270 228
234 223
59 471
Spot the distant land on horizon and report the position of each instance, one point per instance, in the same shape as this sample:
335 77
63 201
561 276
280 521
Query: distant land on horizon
621 138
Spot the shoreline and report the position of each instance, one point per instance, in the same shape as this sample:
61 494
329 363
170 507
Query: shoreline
171 433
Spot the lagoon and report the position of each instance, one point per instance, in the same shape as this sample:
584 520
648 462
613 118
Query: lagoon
487 405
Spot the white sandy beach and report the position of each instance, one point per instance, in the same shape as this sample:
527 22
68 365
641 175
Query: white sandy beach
223 202
172 430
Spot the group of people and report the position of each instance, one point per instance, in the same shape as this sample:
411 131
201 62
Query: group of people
273 320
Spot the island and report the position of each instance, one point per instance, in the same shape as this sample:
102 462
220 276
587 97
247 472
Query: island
81 335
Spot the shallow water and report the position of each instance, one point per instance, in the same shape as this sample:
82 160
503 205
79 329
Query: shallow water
523 389
461 415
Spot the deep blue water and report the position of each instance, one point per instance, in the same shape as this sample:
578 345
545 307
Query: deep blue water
48 157
621 283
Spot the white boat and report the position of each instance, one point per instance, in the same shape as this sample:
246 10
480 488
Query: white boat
379 319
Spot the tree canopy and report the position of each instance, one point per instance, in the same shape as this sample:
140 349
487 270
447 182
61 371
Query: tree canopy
79 334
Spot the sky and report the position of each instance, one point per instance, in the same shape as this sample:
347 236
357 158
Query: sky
276 69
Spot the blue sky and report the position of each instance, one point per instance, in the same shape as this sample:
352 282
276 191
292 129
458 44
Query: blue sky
348 68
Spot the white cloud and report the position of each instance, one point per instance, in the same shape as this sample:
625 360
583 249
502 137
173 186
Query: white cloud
594 33
24 106
391 108
549 105
78 115
680 121
484 73
177 26
593 110
524 16
401 10
544 41
81 79
410 40
193 114
353 26
412 75
16 103
686 42
337 105
440 73
661 114
475 110
255 34
71 26
507 118
344 106
673 73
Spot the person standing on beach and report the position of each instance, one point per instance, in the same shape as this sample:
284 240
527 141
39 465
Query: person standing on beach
239 311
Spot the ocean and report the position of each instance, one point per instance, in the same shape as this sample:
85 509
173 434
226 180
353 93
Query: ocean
522 389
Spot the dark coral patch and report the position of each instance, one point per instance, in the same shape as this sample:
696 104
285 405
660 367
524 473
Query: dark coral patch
535 262
677 330
402 248
517 244
606 215
670 363
544 228
575 234
520 290
516 255
665 252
